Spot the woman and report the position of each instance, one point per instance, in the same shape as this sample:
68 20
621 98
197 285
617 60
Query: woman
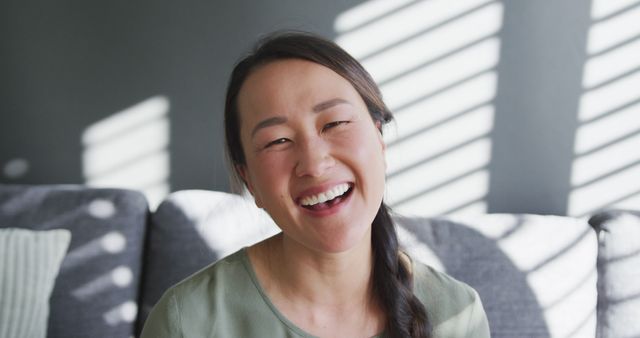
303 123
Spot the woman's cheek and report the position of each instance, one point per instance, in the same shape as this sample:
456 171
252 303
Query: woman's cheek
274 163
361 143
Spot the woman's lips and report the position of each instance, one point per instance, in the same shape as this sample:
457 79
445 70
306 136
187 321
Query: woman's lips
318 189
325 196
329 207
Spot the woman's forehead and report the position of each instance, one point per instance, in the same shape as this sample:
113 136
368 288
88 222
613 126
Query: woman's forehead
291 84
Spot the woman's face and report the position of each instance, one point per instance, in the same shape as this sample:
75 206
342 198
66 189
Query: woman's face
314 157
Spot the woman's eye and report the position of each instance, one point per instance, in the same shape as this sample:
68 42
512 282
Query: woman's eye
333 124
276 142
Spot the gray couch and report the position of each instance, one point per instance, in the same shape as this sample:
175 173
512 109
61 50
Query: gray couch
538 276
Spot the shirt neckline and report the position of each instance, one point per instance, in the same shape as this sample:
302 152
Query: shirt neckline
254 279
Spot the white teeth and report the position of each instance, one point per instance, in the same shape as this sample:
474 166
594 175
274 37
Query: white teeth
328 195
331 194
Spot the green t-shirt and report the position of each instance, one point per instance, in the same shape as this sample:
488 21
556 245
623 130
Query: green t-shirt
225 299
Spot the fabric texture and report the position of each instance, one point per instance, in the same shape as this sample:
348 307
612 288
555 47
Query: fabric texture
29 262
96 292
618 273
226 300
535 274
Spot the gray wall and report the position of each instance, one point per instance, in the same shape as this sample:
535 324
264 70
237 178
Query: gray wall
540 75
67 65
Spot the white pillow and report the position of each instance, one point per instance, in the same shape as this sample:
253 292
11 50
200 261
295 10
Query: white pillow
29 263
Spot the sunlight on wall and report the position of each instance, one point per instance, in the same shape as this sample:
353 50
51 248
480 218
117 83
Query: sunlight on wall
130 150
16 168
435 63
606 169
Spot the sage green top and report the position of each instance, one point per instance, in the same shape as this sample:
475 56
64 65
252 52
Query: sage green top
225 299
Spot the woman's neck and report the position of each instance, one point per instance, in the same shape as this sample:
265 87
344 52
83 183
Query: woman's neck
316 290
323 277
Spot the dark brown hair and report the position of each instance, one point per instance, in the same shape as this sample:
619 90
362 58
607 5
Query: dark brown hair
392 283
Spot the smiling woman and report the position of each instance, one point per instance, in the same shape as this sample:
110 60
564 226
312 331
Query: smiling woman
303 124
322 142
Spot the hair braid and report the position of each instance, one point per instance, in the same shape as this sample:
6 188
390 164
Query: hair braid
406 316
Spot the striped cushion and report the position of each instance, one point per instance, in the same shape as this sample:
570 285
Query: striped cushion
29 262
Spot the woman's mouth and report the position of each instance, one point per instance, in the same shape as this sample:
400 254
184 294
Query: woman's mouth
328 199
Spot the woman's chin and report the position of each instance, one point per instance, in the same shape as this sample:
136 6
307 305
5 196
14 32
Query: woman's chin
342 242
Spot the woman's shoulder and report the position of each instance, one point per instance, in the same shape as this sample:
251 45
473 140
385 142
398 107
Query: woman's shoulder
230 268
453 307
214 279
227 283
429 281
216 294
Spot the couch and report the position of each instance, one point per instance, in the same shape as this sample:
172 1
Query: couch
538 276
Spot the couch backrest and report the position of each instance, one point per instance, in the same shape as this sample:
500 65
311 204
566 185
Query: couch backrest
96 291
536 275
192 229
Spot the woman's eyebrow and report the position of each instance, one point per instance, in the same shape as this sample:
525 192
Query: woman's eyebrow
272 121
328 104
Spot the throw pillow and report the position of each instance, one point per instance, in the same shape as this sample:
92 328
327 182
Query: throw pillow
29 264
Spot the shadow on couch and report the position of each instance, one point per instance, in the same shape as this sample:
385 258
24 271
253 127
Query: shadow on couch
470 256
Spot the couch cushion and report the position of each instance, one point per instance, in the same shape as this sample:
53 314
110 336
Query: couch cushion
96 291
29 262
619 273
536 275
192 229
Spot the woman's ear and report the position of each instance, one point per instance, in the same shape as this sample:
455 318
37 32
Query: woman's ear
382 144
380 138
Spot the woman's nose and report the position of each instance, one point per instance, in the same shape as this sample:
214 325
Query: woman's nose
314 158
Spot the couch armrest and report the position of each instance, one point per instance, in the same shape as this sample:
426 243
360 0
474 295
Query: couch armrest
96 291
618 273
